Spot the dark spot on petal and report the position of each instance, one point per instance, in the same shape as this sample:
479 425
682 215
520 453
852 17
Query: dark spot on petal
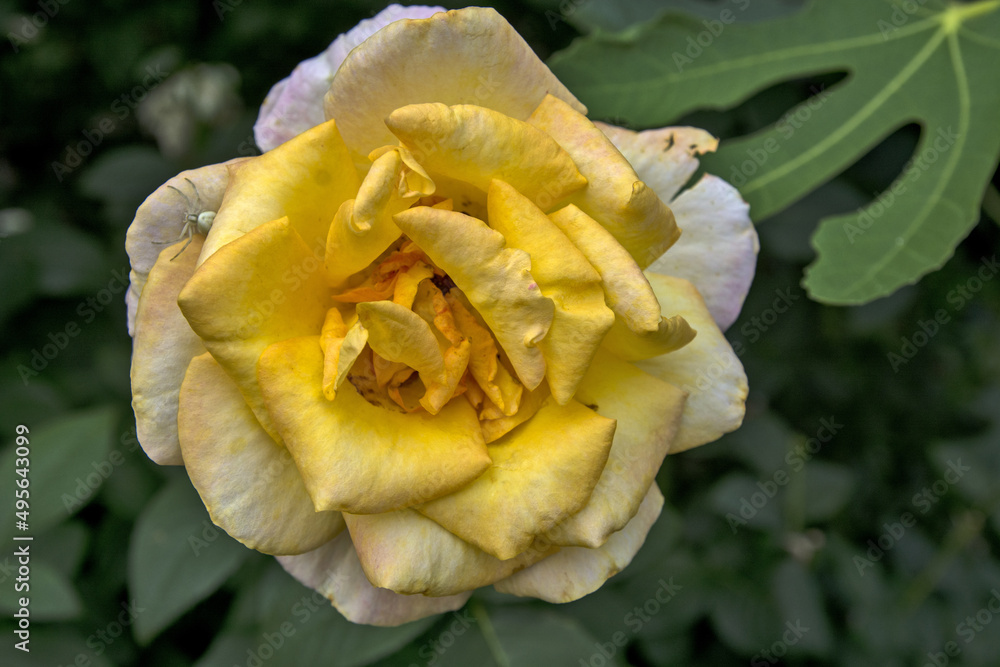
444 283
592 406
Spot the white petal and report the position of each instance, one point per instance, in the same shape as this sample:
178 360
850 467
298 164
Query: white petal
295 103
335 571
718 247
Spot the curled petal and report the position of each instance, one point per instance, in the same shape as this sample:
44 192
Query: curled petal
541 474
495 279
615 196
578 571
335 571
164 345
305 179
472 56
475 144
248 482
295 103
581 318
355 456
398 334
707 369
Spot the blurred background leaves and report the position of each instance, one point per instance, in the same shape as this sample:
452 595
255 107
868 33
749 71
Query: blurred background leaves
832 528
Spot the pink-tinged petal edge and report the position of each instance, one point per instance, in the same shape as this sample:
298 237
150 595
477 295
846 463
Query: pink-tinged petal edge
295 103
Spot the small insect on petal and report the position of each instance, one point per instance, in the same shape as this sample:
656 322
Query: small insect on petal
193 219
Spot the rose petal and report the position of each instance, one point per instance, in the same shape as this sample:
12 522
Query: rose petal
357 457
615 196
648 411
161 218
305 179
295 103
164 345
238 318
476 144
531 486
248 482
718 248
578 571
707 368
471 56
639 331
494 278
408 553
335 571
396 333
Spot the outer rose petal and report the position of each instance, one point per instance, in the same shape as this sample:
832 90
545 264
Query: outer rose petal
164 345
706 368
161 218
542 473
238 318
334 570
717 250
248 482
471 56
408 553
578 571
295 103
649 412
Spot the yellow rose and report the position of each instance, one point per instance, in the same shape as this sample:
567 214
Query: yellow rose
417 352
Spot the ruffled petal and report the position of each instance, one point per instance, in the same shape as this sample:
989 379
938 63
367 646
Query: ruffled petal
161 218
248 482
335 571
495 279
640 330
295 103
396 333
707 369
472 56
305 179
476 144
578 571
648 411
615 196
564 275
408 553
358 457
238 318
164 345
718 250
541 474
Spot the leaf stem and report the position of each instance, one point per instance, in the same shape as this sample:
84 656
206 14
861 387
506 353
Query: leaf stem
489 634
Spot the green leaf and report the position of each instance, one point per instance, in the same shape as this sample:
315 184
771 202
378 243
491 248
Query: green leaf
53 645
935 67
177 558
801 602
65 468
